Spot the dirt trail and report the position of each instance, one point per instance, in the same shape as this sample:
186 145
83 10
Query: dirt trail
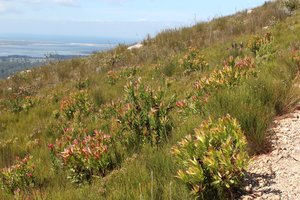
277 175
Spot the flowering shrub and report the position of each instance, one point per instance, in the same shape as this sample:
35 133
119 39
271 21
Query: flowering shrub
18 177
213 159
144 113
83 157
231 74
78 102
256 43
193 61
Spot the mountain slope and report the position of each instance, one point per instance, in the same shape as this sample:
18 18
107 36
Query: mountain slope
73 98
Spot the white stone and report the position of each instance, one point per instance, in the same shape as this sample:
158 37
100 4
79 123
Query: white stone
136 46
266 27
249 11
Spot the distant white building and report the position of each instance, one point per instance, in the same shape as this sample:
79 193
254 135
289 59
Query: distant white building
136 46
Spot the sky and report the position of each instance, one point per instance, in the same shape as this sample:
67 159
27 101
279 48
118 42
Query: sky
110 18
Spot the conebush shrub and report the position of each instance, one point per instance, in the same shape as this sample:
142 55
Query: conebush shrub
213 159
193 60
19 177
235 71
144 113
256 43
77 102
83 157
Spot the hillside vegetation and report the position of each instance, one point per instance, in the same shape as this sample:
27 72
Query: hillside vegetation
176 119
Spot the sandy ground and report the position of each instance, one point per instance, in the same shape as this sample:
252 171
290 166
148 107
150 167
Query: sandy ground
276 175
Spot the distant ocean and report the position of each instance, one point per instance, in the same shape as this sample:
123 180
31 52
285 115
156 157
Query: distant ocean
41 46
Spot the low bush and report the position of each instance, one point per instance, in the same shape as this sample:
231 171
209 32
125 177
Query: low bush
78 102
20 104
20 177
193 60
144 113
256 43
213 159
235 70
84 157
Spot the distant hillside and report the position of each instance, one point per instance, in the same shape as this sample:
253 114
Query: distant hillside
15 63
177 118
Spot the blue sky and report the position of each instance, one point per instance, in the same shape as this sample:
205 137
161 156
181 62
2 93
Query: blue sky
110 18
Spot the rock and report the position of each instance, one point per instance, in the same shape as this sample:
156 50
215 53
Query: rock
266 27
136 46
249 11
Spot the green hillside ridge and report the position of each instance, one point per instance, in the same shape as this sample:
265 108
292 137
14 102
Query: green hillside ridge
108 126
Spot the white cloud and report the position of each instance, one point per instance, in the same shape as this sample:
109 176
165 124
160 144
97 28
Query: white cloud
58 2
114 1
66 2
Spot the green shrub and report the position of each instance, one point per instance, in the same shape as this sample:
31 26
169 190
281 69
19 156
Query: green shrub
236 49
256 43
21 104
234 72
82 84
20 177
128 72
213 159
76 104
145 113
21 99
193 61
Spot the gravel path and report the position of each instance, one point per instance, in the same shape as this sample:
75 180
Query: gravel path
276 175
